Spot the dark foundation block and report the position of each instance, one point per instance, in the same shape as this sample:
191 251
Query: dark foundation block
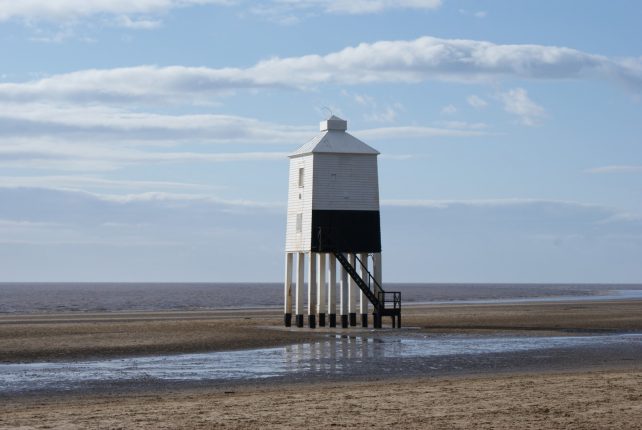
376 320
364 320
321 320
344 321
333 320
312 321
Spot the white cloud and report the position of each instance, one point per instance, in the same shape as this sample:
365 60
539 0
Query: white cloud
414 132
64 10
12 224
476 101
289 12
40 135
57 154
80 182
414 61
449 110
477 14
386 114
199 237
517 102
138 24
376 111
100 124
93 138
361 99
172 198
616 169
401 157
144 14
127 220
443 204
56 21
625 217
47 154
462 125
372 6
58 35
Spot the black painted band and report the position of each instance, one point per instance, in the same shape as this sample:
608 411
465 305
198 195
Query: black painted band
346 231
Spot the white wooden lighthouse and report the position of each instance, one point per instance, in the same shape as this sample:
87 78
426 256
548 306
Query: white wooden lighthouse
333 216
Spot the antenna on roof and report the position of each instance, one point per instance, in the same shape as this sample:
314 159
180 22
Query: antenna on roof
329 110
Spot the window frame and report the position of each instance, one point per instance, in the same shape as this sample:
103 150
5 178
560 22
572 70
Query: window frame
299 222
301 177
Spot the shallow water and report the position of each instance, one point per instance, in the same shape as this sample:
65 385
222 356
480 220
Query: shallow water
334 357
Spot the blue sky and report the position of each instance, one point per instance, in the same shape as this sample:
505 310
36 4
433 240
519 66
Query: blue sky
146 140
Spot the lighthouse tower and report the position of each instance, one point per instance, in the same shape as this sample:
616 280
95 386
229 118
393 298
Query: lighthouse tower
333 217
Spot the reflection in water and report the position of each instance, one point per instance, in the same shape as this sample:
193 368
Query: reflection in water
335 356
331 355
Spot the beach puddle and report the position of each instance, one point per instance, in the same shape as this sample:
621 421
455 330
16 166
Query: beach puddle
333 357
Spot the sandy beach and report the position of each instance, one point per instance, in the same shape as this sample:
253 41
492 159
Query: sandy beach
587 393
604 399
38 337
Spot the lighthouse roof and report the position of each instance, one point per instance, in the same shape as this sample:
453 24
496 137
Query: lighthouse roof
334 139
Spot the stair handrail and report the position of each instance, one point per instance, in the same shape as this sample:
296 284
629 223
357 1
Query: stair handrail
377 297
363 265
370 275
354 275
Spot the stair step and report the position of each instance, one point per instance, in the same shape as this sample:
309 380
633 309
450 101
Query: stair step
378 304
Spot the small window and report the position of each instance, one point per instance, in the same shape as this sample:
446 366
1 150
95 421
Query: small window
299 223
333 176
301 174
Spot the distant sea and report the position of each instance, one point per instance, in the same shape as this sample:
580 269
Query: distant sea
114 297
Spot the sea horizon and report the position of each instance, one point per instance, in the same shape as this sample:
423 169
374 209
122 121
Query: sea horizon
48 297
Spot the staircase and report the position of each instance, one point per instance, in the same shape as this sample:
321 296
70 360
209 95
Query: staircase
377 296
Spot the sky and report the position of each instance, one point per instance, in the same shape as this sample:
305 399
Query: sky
147 140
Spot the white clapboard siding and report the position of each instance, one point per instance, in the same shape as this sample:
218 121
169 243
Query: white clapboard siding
340 174
299 241
345 182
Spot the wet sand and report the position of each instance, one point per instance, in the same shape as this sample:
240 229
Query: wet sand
49 337
605 392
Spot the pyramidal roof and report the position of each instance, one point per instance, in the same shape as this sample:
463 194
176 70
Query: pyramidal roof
334 139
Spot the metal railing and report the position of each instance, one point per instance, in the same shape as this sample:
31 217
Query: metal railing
393 297
377 296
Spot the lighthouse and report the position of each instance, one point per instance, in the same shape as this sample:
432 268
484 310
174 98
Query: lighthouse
333 234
